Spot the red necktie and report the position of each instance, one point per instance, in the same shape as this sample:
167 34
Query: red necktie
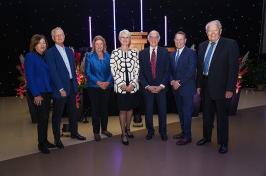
153 64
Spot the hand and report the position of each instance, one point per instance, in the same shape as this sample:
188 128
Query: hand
129 88
157 89
38 100
151 89
198 91
176 84
63 93
123 87
228 94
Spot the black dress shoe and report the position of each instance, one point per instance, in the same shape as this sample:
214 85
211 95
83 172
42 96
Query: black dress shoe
107 133
223 149
43 149
203 141
78 137
149 136
164 137
183 141
124 139
129 134
50 145
97 137
178 136
59 144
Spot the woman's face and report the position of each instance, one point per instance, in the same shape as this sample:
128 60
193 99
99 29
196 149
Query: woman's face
41 46
124 40
98 46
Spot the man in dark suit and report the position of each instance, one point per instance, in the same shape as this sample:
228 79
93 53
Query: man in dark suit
183 65
61 62
217 76
154 74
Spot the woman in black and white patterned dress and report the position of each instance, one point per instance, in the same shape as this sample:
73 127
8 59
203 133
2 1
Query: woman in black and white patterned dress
125 70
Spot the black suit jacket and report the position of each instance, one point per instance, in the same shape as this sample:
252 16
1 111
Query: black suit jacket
223 68
162 67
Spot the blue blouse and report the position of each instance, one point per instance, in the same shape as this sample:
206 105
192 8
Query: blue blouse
98 69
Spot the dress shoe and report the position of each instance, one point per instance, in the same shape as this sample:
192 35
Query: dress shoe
59 144
178 136
107 133
50 145
164 137
203 141
149 136
97 137
183 141
129 134
43 149
78 137
223 149
124 139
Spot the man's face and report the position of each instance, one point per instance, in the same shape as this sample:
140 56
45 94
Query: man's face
180 41
213 32
59 37
153 39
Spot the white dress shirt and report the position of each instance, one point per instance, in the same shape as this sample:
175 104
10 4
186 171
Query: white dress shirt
62 52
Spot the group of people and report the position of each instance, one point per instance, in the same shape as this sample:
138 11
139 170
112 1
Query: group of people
212 73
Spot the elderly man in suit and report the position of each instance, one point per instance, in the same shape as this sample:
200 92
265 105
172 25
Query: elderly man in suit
183 80
154 76
217 76
61 62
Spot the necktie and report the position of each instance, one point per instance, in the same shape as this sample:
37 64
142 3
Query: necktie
153 64
177 57
207 59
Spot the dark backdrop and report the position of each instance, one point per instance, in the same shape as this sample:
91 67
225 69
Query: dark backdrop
241 20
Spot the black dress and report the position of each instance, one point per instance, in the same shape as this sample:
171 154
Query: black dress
128 100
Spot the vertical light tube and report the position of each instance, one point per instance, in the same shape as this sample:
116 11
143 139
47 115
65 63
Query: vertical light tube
114 24
90 31
141 16
165 30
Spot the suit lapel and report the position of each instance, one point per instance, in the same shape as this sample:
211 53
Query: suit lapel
60 58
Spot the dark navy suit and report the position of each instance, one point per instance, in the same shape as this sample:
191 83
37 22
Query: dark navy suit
185 71
61 80
39 84
162 77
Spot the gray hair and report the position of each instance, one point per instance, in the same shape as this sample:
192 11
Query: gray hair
54 30
158 35
216 22
126 32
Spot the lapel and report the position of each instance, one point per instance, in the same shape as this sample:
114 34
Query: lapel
60 59
159 57
217 51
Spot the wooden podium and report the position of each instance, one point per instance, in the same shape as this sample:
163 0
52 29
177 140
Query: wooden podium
138 40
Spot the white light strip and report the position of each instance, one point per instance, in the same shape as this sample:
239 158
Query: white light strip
114 24
165 30
141 16
90 31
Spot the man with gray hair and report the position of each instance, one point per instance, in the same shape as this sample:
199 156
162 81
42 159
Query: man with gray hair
61 63
154 73
216 82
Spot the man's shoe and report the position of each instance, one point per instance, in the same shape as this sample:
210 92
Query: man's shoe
149 136
50 145
164 137
43 149
183 141
223 149
203 141
97 137
78 137
59 144
178 136
107 133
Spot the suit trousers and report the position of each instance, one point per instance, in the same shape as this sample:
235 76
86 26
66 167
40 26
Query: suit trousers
220 107
184 105
58 107
99 99
160 100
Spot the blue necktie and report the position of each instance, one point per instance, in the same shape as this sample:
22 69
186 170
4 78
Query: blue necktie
176 57
207 59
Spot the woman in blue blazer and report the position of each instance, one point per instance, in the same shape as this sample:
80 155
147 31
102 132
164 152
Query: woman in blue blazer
39 88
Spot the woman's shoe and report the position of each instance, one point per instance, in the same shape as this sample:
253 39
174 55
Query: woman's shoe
129 134
124 139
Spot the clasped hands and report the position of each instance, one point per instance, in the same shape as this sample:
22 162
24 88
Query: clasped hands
126 88
154 89
103 85
175 84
